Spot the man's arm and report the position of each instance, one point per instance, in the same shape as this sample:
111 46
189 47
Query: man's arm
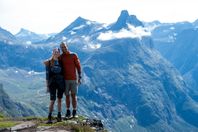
78 67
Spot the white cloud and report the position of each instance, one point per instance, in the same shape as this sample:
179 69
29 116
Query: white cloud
133 32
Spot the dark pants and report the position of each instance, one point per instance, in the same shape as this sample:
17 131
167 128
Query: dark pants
56 87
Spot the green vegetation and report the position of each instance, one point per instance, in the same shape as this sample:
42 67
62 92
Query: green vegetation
30 118
5 124
1 116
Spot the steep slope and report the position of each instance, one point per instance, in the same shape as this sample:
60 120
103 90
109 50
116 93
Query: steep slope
184 56
11 108
7 37
182 52
26 87
127 79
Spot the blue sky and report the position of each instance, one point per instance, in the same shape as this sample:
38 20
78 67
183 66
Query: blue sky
48 16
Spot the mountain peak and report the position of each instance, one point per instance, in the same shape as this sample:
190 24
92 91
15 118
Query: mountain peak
24 32
81 19
124 14
125 19
77 22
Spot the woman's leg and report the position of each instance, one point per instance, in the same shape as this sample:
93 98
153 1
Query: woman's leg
52 100
51 106
60 91
59 104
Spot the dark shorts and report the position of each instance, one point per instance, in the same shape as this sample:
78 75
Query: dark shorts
55 91
56 87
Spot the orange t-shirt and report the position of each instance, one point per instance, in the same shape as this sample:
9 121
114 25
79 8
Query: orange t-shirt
70 64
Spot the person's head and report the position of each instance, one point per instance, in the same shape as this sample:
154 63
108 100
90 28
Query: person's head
64 47
55 53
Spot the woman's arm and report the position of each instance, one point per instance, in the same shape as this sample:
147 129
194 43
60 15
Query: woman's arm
47 68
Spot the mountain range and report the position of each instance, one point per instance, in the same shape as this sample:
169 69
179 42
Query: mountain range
180 48
127 82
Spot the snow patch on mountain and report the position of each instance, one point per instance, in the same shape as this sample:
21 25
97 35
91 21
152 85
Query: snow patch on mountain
172 28
64 38
88 23
89 45
28 42
79 27
72 32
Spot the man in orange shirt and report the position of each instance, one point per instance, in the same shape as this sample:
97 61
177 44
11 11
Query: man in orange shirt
70 64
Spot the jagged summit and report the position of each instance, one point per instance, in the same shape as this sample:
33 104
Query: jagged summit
125 19
24 32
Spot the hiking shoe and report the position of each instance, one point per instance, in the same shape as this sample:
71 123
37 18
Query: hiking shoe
49 122
68 114
59 118
74 113
49 119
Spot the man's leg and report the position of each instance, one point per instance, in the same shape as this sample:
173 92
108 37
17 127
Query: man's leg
67 99
68 113
74 101
74 90
67 102
74 104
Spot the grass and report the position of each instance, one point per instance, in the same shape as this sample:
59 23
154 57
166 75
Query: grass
1 116
5 124
30 118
